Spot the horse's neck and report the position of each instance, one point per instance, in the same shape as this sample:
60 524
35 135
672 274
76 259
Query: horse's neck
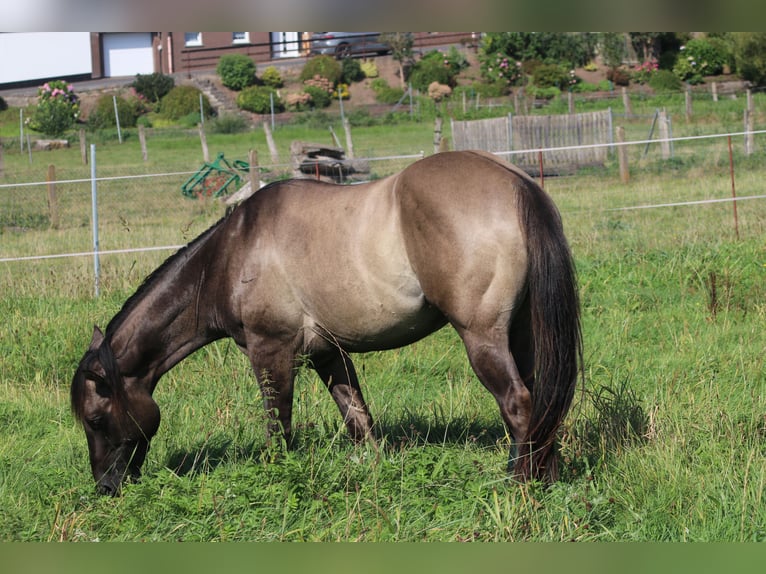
161 327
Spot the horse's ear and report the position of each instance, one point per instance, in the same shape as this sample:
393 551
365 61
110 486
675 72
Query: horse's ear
98 338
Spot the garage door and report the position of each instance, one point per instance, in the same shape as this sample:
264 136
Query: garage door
128 54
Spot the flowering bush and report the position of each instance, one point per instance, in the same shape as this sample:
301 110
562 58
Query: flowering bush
499 68
644 71
699 58
341 91
57 110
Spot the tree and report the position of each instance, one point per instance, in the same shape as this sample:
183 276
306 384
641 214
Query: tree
401 49
750 56
613 48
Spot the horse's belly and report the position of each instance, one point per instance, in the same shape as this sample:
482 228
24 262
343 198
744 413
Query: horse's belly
374 325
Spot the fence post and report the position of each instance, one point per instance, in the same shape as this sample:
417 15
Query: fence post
94 211
270 142
749 115
437 133
117 119
626 102
203 141
53 204
664 134
252 160
622 155
714 90
142 140
83 147
349 141
688 97
733 190
570 102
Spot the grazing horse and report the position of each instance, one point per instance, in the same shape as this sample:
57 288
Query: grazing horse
308 269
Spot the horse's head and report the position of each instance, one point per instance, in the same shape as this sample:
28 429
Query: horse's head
119 421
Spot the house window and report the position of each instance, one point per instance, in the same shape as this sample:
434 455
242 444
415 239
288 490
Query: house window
193 38
240 37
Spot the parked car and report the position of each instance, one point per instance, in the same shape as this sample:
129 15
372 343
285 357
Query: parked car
346 44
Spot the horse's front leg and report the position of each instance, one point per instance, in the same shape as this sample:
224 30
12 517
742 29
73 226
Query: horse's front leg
275 371
338 373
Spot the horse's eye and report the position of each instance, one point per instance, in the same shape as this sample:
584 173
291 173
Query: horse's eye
96 423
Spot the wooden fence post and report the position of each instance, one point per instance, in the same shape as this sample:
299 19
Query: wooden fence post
714 90
622 155
626 102
53 204
83 148
749 123
203 141
271 144
570 102
349 141
255 180
437 133
664 134
142 140
688 104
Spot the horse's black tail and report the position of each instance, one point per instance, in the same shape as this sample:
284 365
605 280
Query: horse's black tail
555 320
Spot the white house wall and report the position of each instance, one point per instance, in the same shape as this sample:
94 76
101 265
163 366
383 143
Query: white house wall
26 56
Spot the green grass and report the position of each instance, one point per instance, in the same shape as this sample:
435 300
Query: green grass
665 442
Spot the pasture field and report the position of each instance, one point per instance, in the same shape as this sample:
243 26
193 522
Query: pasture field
666 440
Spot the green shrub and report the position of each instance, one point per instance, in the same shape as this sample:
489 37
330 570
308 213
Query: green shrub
369 69
384 93
351 71
272 78
699 58
545 93
182 101
320 97
258 99
102 116
665 81
483 90
550 76
57 110
153 86
323 66
236 71
433 67
228 124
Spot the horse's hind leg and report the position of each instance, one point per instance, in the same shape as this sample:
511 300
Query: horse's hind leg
496 368
338 373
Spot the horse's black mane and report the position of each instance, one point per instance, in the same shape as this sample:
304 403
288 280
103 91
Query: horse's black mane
170 262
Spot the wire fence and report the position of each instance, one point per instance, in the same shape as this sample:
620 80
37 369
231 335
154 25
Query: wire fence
142 217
